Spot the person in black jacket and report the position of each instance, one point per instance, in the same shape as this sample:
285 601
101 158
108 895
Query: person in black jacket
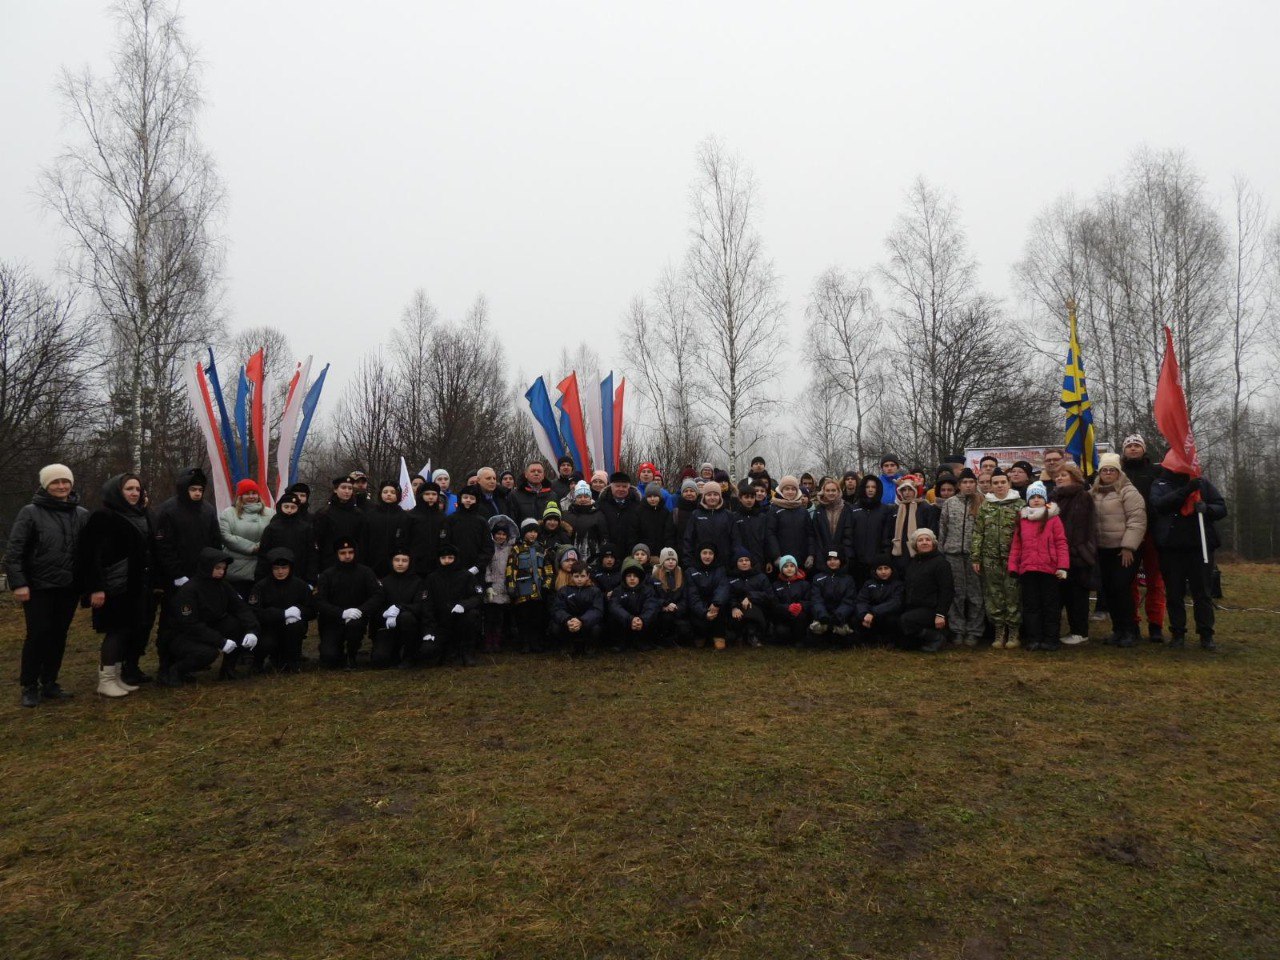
790 603
633 607
749 597
469 533
292 530
346 593
1178 502
40 561
711 523
428 516
1137 466
390 528
405 616
302 496
708 593
833 596
867 530
455 595
910 514
113 567
672 625
209 618
578 611
531 497
751 526
620 509
284 605
493 500
833 523
185 524
586 525
790 526
879 604
655 526
342 519
926 596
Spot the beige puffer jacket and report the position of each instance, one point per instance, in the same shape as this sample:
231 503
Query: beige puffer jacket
1120 513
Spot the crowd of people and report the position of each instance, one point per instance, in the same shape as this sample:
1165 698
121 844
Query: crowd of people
580 564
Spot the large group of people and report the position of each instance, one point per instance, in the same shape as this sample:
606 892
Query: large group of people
581 564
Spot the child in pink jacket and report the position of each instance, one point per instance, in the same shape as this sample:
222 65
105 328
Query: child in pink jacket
1039 558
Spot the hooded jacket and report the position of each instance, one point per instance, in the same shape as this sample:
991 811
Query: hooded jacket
786 592
427 535
450 586
638 601
270 598
206 608
993 535
583 603
390 528
296 534
114 557
183 528
495 575
753 586
790 530
710 526
867 525
880 598
706 586
340 521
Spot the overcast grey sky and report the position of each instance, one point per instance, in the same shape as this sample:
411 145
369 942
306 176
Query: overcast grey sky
542 152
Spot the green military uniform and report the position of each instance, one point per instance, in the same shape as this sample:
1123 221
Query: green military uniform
992 540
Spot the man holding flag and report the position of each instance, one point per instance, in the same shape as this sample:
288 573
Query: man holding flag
1185 507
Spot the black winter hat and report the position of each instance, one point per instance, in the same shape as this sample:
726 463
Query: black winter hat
280 557
393 484
339 481
1025 465
882 560
620 476
889 457
342 543
472 490
563 460
447 550
429 485
289 497
300 488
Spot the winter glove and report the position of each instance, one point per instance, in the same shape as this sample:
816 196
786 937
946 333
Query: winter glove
457 608
391 623
1201 507
180 581
250 641
292 613
474 571
228 646
795 609
428 638
1061 574
351 613
290 621
391 611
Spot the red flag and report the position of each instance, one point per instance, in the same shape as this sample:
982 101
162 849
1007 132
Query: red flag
1174 422
257 420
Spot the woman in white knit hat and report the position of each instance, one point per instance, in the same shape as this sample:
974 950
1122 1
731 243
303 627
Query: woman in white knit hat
39 563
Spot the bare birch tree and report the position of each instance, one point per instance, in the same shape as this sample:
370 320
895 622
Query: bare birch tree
734 295
140 199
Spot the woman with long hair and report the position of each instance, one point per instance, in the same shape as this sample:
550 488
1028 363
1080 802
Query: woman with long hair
242 525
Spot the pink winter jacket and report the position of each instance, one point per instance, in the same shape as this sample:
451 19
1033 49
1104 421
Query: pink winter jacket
1039 547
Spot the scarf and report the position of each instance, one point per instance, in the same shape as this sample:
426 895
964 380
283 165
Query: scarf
904 525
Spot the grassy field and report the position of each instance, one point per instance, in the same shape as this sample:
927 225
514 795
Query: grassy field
1094 803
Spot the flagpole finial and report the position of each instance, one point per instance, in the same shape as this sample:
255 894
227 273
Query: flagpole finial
1071 304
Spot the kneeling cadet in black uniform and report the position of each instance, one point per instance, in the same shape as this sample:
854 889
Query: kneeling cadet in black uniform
454 596
633 607
749 597
210 619
346 592
880 603
405 620
284 606
833 596
578 611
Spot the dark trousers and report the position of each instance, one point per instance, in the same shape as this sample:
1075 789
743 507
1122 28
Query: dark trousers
1073 593
340 640
753 621
790 630
1041 606
671 628
167 627
1185 572
459 633
580 642
498 625
193 650
48 614
704 630
1116 588
401 642
915 628
282 643
531 624
883 630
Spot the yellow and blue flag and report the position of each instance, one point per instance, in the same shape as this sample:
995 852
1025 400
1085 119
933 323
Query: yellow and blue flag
1079 440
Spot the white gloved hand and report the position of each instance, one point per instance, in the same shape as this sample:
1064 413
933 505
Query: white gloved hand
228 646
391 623
391 611
292 613
351 613
290 621
457 608
428 638
180 581
250 641
473 570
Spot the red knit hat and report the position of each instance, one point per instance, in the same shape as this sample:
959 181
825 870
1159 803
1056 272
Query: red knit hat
247 486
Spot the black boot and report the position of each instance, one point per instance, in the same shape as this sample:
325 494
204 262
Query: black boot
1155 633
51 691
1126 640
31 696
932 641
1207 642
1177 641
169 678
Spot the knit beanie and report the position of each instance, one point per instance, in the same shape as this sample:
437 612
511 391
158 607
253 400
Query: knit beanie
437 474
1135 438
581 489
642 546
247 486
785 559
1109 460
55 471
789 479
926 532
1038 489
667 554
551 510
689 484
653 489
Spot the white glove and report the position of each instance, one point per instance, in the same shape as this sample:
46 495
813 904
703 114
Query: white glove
351 613
428 638
250 641
473 570
180 581
457 608
391 611
228 646
292 615
290 621
391 623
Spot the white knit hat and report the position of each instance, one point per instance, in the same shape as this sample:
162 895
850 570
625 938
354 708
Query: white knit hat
55 471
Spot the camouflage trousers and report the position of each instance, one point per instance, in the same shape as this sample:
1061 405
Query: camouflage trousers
1000 593
967 617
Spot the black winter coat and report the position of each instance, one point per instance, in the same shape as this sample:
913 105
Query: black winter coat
408 591
43 542
346 585
880 598
114 556
498 506
928 584
295 534
705 587
868 530
621 521
927 515
204 606
790 532
710 526
270 598
671 594
525 501
469 532
584 603
638 601
824 541
588 531
833 596
449 586
1173 531
340 521
390 528
428 527
750 586
182 529
681 513
787 592
655 528
1142 474
751 533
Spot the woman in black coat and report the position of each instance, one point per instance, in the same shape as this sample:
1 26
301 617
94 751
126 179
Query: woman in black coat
114 568
290 529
